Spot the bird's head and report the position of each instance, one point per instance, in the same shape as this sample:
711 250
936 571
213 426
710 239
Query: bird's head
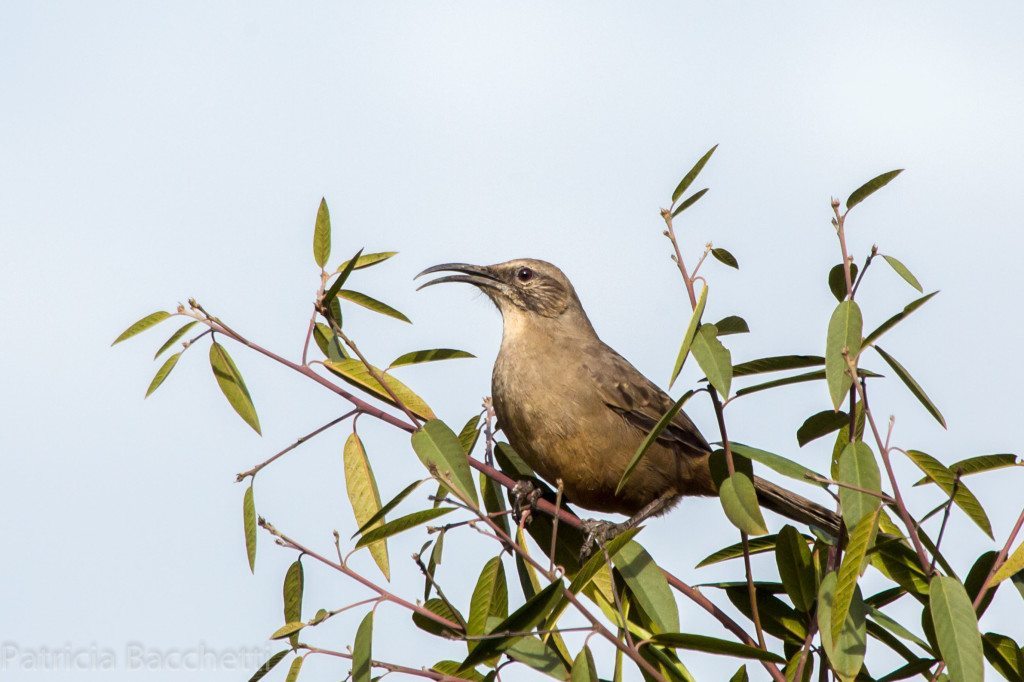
520 287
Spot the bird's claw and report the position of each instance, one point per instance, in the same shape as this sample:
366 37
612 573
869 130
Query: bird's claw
598 533
525 495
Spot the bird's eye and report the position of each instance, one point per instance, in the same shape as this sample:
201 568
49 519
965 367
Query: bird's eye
524 274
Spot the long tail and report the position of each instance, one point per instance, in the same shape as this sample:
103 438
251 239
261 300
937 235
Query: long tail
795 507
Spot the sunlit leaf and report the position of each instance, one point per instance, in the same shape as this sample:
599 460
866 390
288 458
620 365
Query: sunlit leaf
820 424
651 437
583 667
392 503
400 524
541 657
843 340
689 201
373 304
944 478
294 581
956 629
914 387
691 330
845 653
897 318
1004 655
249 525
861 536
758 545
740 675
795 568
977 465
287 630
523 619
443 609
490 599
692 174
648 585
294 669
367 259
233 386
174 338
432 355
439 448
903 271
858 467
469 434
362 650
142 325
786 467
339 281
162 373
451 670
355 373
714 645
328 343
322 235
1013 565
870 187
268 666
733 324
714 358
361 486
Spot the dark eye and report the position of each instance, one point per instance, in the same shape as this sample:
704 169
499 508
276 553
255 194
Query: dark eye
524 274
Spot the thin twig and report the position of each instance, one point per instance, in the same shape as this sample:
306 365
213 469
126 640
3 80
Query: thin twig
390 667
315 432
945 519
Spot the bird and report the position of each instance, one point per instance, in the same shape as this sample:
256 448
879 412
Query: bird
576 411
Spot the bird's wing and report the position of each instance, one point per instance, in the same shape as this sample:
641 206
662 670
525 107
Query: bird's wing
628 392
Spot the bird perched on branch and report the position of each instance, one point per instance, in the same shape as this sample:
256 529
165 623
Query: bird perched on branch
576 411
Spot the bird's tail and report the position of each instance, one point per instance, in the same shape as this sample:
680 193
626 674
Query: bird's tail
795 507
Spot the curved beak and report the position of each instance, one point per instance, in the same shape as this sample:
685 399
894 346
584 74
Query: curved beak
477 275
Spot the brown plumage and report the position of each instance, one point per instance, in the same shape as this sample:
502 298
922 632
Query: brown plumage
576 410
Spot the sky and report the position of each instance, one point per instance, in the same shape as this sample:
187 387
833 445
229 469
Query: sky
150 152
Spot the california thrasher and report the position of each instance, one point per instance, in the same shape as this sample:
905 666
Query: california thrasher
576 410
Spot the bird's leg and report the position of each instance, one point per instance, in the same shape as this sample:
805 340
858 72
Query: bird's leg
525 494
599 532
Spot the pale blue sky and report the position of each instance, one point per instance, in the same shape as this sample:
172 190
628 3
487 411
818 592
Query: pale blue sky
155 151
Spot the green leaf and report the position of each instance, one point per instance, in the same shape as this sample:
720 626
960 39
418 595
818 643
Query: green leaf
490 599
956 629
900 564
714 358
944 478
583 667
293 671
648 585
976 578
174 337
777 618
292 594
287 630
795 568
844 333
740 675
870 187
249 524
469 434
394 502
402 523
536 654
354 372
914 387
797 379
233 386
689 201
445 610
451 669
904 272
739 500
977 465
778 463
692 174
362 650
857 466
1013 565
523 619
724 256
652 436
328 343
268 666
821 424
373 304
714 645
339 281
776 363
691 330
439 448
142 325
897 629
367 259
361 486
322 235
897 318
837 280
162 373
759 545
845 653
849 571
432 355
733 324
1004 655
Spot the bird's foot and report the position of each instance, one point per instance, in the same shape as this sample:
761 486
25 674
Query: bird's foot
598 533
525 494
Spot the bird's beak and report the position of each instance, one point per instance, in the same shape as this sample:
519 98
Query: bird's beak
477 275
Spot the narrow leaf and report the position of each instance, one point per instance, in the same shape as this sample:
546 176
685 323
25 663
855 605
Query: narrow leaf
249 525
776 363
914 387
373 304
820 424
652 436
870 187
795 568
714 645
858 467
322 235
293 670
956 629
361 486
714 358
432 355
977 465
691 330
142 325
469 434
724 256
844 334
354 372
849 571
904 272
339 281
689 201
162 373
328 343
367 259
362 650
525 618
294 581
757 546
233 386
897 318
692 174
439 448
944 478
733 324
392 503
846 654
268 666
778 463
287 630
1014 564
583 667
490 599
174 338
400 524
